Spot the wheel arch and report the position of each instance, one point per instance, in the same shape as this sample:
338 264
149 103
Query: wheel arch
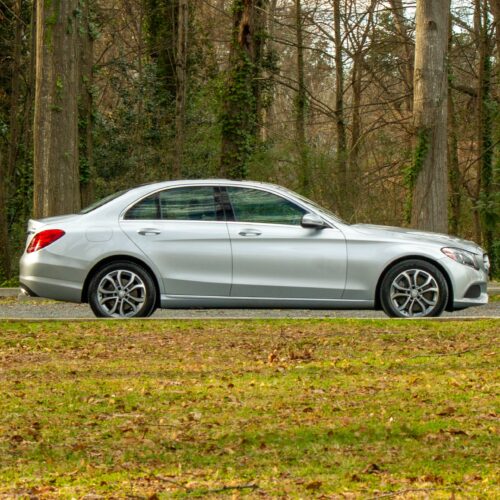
449 305
117 258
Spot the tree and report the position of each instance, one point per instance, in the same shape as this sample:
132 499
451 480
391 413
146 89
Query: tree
241 102
55 160
495 7
341 155
11 86
402 29
86 81
429 175
181 84
301 105
486 204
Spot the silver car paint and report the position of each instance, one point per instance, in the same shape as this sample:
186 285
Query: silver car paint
300 262
194 258
285 266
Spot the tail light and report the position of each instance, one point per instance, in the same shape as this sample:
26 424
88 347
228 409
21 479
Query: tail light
43 239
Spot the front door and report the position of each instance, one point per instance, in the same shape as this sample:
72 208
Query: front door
275 257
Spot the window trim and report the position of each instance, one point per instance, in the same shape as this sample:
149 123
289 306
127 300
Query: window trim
219 207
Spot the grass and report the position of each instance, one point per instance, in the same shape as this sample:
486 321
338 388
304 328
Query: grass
290 408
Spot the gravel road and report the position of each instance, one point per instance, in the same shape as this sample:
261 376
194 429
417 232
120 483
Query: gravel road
11 307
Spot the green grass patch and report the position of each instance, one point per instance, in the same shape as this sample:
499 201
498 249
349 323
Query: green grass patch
290 408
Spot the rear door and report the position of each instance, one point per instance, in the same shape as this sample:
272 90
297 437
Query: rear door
275 257
183 230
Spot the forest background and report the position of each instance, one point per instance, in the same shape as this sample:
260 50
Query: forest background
384 111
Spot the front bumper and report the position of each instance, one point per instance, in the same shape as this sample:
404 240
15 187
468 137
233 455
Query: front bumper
469 285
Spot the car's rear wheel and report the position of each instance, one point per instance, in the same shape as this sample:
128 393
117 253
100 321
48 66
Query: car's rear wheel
122 290
414 288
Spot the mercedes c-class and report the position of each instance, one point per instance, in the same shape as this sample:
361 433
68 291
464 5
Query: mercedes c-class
222 244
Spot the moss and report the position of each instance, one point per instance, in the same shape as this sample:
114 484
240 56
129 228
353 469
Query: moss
412 171
51 20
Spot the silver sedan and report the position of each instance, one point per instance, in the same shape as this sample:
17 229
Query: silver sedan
218 243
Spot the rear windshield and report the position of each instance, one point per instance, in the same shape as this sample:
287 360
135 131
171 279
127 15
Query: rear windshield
103 201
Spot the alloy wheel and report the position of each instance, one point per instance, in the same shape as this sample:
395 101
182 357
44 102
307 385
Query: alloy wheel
414 292
121 293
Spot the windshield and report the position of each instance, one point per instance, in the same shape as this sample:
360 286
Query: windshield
102 201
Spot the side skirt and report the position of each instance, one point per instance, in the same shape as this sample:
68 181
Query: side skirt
192 301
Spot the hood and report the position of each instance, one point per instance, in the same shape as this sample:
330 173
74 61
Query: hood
419 236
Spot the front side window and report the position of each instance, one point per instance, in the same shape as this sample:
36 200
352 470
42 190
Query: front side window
185 203
254 205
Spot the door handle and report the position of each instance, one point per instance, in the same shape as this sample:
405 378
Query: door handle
148 231
249 232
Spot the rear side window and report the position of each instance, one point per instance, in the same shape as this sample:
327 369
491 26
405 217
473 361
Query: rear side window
102 202
146 209
254 205
186 203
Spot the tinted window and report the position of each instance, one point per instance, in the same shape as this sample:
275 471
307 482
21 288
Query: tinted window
253 205
103 201
148 208
189 203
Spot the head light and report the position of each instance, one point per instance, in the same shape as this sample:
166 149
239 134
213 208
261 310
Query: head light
486 263
461 256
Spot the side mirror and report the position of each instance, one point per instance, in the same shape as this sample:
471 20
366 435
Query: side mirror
313 221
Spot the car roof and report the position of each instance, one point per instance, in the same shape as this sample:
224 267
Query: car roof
207 181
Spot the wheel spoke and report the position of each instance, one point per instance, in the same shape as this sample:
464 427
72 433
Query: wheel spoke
115 305
402 307
414 278
134 307
138 300
410 309
106 299
427 301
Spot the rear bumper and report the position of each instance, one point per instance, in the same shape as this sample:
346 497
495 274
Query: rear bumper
26 291
42 275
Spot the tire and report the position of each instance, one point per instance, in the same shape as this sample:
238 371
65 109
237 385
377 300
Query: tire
414 288
122 289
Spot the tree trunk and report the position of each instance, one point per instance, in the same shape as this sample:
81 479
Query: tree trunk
300 106
5 266
268 108
399 20
181 85
353 179
339 102
495 8
8 164
242 94
486 208
354 172
453 164
86 152
429 208
55 161
15 92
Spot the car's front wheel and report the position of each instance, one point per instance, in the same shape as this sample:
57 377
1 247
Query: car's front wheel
414 288
122 290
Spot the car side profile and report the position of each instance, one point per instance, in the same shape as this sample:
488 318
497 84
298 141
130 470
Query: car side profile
225 244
